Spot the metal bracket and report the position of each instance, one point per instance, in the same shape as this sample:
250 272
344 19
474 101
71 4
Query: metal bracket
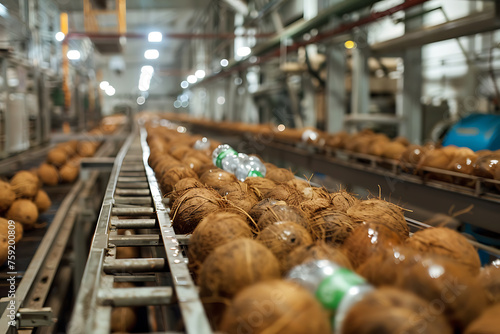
35 317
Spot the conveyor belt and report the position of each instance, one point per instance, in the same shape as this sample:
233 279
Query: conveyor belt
164 285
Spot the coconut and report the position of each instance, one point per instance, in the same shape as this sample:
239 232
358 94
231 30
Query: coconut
279 175
275 306
317 251
258 209
7 195
23 211
283 237
487 323
314 193
331 226
312 206
368 239
48 174
183 185
393 150
174 175
123 320
179 151
235 265
259 186
490 279
380 211
446 242
413 154
239 195
439 158
192 206
86 149
69 172
194 163
342 200
276 213
24 184
449 289
216 229
377 146
57 157
200 155
206 167
42 201
298 184
269 166
393 311
486 165
216 178
4 229
284 192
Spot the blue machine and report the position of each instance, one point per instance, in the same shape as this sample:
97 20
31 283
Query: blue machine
477 132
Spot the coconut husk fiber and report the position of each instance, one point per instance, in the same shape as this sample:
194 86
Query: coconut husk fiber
23 211
192 206
298 184
413 154
273 307
382 212
24 184
57 157
242 199
331 226
283 237
393 150
490 279
279 175
7 195
262 206
342 200
42 201
317 251
368 239
446 242
48 174
206 167
277 213
216 229
315 193
393 311
174 175
194 163
284 192
69 171
312 206
182 185
259 186
216 178
234 266
86 149
487 323
449 289
4 229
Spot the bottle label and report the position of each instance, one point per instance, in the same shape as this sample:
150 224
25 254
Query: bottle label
222 155
332 289
254 173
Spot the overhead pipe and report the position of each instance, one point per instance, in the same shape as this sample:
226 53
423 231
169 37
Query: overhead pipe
101 35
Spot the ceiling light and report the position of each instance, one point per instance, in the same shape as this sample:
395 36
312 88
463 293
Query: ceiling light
184 84
200 74
73 54
148 69
221 100
192 79
110 91
151 54
243 51
60 36
155 36
141 100
103 85
224 62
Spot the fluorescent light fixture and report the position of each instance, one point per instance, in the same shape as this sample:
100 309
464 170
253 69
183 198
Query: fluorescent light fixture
73 54
103 85
151 54
200 74
3 11
192 79
110 91
147 69
221 100
155 37
141 100
184 84
224 62
60 36
243 51
143 85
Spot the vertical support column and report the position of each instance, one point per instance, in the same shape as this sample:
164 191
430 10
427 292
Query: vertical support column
335 88
360 97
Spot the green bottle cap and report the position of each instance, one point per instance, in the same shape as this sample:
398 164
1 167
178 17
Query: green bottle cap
222 155
333 288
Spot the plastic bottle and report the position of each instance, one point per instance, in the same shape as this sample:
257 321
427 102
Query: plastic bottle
202 144
335 287
222 153
250 167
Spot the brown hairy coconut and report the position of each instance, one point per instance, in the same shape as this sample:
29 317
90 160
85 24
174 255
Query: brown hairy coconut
317 251
7 195
192 206
438 158
393 311
393 150
258 209
216 229
260 186
279 175
57 157
235 265
123 320
69 171
449 289
200 155
42 201
275 306
486 165
86 149
413 154
193 163
183 185
331 226
380 211
48 174
282 237
486 323
298 184
490 279
24 184
446 242
312 206
206 167
284 192
342 200
23 211
270 166
277 213
179 151
315 193
239 195
368 239
4 229
174 175
216 178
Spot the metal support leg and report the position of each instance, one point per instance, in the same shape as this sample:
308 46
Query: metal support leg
335 88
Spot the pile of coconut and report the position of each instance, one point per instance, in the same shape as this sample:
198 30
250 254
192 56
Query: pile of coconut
246 236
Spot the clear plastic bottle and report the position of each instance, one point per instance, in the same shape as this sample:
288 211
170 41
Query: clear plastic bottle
335 287
250 167
222 153
202 144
